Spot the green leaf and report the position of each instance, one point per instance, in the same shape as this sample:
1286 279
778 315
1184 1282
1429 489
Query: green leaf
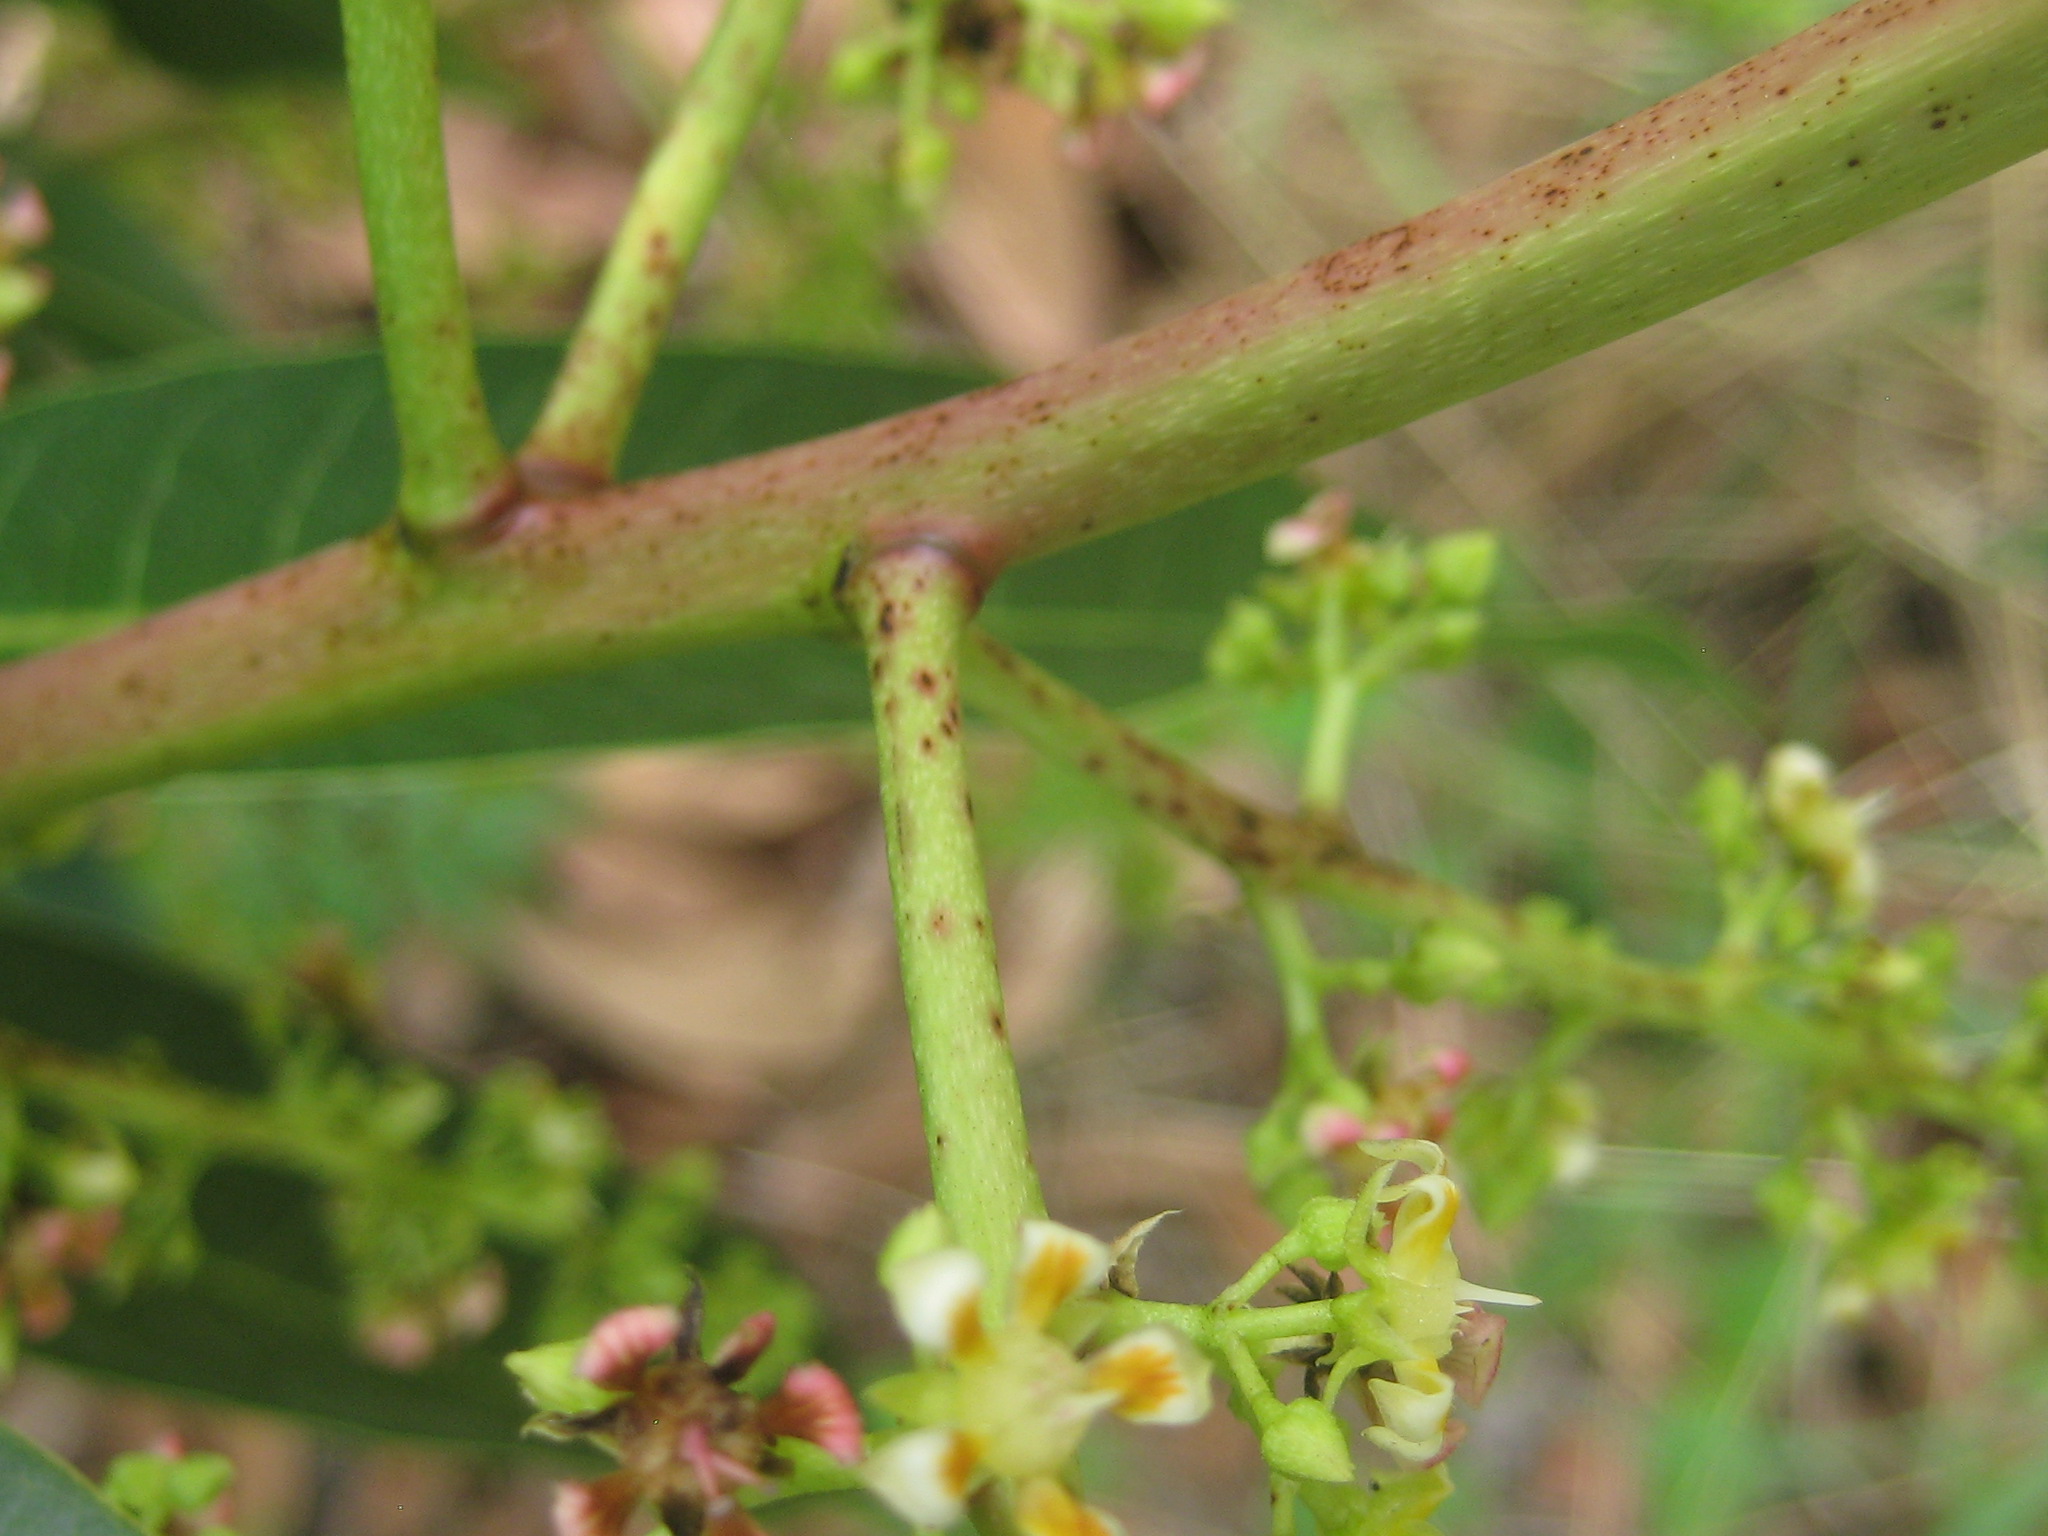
222 40
128 496
41 1495
91 990
1645 645
117 292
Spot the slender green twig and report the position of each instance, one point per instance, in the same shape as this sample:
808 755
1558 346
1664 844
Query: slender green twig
1569 972
450 457
1880 109
590 408
1328 762
1310 1060
150 1103
913 604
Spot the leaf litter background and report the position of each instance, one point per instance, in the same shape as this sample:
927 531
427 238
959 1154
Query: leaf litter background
1809 511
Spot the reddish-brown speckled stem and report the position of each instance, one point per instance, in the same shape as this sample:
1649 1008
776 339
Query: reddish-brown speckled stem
912 603
1568 973
1880 109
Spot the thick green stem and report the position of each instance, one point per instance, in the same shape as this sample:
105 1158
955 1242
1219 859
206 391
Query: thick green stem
590 409
450 457
1881 109
913 604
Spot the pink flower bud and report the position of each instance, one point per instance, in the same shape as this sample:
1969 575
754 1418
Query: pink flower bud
1162 87
403 1341
1452 1065
620 1347
1328 1128
814 1404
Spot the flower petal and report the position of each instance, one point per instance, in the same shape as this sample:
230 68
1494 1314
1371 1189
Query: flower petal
718 1473
1474 1359
814 1404
926 1475
1466 1291
620 1347
1422 1227
1412 1409
1054 1265
1157 1376
1046 1508
742 1347
594 1509
938 1300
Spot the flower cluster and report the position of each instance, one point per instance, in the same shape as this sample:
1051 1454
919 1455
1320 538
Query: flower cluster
168 1491
1004 1396
686 1438
1410 1338
1087 59
1369 609
60 1223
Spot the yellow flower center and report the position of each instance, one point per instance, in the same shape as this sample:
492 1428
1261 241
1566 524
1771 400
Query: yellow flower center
1025 1400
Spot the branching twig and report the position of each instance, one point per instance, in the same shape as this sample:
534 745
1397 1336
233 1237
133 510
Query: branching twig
450 458
1568 972
1872 112
590 408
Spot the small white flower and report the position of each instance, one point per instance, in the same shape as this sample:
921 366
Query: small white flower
1005 1398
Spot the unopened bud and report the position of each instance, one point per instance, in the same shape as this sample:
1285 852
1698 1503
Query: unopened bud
1320 525
88 1178
1452 636
924 159
1247 648
477 1303
1451 1064
23 291
1726 817
24 218
1327 1128
404 1341
1306 1440
1162 87
1447 962
1385 574
1822 830
1458 568
861 68
1323 1224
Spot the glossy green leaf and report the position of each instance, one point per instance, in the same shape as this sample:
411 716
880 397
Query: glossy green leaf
128 496
41 1496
